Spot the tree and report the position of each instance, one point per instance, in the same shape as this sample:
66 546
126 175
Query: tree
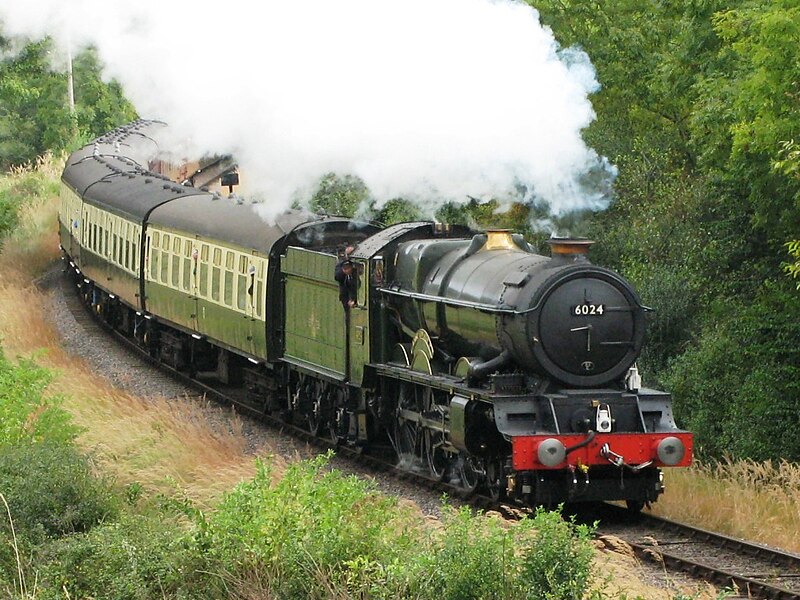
34 115
790 166
761 90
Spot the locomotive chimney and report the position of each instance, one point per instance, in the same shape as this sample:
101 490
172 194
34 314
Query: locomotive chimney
569 249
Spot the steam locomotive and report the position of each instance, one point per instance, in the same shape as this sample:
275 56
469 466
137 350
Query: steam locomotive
476 360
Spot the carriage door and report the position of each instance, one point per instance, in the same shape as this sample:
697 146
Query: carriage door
359 327
195 270
246 302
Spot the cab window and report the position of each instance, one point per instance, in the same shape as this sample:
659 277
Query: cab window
361 296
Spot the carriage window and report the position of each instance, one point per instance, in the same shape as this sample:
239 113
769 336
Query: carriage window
204 279
176 245
204 253
165 266
176 270
215 279
187 273
156 239
241 292
154 265
242 264
228 298
259 294
361 296
128 255
217 257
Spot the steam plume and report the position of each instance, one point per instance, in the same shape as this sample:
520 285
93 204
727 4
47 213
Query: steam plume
431 100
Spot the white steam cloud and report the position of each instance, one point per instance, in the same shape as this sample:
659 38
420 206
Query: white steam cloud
431 100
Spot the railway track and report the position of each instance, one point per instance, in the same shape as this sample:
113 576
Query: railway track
753 570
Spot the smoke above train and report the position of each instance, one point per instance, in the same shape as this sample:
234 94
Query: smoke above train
430 100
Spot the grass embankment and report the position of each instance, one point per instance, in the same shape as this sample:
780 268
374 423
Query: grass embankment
149 531
147 441
746 499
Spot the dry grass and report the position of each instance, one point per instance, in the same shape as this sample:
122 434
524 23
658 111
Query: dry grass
161 444
758 501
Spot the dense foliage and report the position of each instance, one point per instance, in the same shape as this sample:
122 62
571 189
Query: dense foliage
47 487
317 533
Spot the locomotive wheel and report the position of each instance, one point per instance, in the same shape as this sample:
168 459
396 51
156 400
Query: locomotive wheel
337 424
289 402
433 440
406 432
470 475
436 457
495 481
317 412
297 398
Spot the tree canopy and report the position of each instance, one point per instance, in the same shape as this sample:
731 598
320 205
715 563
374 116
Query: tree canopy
34 111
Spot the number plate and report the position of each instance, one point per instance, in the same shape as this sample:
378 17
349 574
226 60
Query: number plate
588 310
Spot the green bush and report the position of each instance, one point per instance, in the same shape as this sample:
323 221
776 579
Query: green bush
25 415
544 558
52 492
738 387
19 187
468 559
298 536
136 557
8 214
320 534
556 564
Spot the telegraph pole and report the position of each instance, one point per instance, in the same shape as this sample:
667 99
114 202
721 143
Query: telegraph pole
70 83
73 117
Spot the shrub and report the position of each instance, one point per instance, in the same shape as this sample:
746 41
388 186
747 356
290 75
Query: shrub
321 534
556 563
468 559
24 185
543 558
136 557
738 387
299 536
25 415
51 491
8 214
